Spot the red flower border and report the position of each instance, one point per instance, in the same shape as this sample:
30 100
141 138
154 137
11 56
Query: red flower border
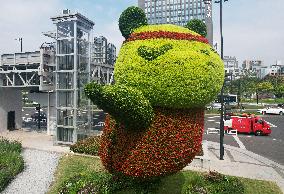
165 34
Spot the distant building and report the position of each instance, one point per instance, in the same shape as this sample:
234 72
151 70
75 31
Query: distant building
178 12
258 69
232 66
111 54
103 52
252 67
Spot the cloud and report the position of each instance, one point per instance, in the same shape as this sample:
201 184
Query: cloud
26 20
252 30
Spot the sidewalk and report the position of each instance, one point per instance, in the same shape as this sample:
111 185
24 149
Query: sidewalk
238 162
35 140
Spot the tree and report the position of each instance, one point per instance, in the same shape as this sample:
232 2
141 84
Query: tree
197 26
263 87
278 85
279 90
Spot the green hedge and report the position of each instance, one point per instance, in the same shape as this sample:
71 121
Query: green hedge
192 182
126 104
11 161
189 74
89 146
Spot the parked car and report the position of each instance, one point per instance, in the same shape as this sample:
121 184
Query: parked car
272 110
213 106
281 105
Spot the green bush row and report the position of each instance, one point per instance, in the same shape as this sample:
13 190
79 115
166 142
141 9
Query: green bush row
126 104
11 161
89 146
102 182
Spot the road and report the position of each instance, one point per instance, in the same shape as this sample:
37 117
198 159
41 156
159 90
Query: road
271 147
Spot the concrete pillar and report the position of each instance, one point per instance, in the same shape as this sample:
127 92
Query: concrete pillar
10 100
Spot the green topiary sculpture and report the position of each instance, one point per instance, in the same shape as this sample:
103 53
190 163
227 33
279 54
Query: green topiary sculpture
165 75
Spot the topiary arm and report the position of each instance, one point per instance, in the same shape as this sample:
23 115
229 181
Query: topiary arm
126 104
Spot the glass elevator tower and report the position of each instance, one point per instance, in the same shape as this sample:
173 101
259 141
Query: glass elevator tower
73 51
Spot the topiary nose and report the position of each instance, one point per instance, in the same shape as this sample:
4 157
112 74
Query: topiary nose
149 53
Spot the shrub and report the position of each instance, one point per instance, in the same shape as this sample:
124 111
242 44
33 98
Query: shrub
102 182
126 104
187 74
166 147
89 146
11 161
133 17
197 26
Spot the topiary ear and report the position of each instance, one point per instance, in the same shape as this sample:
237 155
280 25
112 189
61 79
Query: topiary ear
130 19
197 26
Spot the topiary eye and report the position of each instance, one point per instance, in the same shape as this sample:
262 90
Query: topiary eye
150 53
204 51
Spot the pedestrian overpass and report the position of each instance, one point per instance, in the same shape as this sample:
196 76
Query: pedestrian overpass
55 77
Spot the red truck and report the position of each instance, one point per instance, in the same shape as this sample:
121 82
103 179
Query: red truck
248 124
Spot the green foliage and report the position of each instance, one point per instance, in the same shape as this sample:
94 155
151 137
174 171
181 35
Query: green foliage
89 146
188 75
198 26
243 87
126 104
264 87
102 182
130 19
214 182
279 90
70 167
11 161
278 85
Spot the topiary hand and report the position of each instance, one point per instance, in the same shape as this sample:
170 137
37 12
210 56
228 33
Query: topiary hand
126 104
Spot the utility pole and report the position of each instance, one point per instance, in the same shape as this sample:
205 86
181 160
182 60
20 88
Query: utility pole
222 90
39 117
21 43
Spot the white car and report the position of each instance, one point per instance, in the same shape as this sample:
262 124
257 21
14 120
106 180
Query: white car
272 110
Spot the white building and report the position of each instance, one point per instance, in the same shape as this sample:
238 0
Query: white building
178 12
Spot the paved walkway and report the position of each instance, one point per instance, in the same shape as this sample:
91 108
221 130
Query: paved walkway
35 140
37 175
238 162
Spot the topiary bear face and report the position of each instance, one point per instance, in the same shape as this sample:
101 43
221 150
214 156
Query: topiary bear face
172 66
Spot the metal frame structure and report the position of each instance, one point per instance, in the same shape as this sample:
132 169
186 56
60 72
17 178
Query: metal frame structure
28 70
73 54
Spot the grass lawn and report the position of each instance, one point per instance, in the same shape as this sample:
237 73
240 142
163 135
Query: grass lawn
11 161
70 165
185 182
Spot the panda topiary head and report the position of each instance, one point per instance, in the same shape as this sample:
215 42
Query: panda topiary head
172 66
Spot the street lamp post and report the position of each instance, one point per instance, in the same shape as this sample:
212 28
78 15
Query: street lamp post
21 42
222 90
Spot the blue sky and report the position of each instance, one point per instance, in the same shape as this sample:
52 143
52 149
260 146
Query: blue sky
253 29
